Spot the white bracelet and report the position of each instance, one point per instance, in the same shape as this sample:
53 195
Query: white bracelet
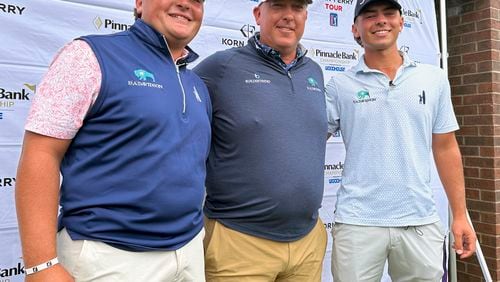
42 266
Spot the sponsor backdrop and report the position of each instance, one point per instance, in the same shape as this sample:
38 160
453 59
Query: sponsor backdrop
33 31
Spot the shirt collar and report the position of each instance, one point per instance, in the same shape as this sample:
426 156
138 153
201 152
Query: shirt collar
275 54
362 67
150 36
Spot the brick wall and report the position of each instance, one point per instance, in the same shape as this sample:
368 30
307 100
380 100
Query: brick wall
474 73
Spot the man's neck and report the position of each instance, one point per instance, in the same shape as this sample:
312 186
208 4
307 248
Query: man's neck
288 56
386 61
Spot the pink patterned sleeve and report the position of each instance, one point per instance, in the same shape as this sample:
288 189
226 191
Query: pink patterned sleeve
66 93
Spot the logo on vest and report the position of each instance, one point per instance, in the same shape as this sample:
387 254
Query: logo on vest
313 85
144 79
196 95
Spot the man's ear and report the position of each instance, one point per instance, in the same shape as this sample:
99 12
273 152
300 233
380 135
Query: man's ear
256 14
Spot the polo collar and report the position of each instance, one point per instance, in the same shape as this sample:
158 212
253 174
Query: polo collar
362 67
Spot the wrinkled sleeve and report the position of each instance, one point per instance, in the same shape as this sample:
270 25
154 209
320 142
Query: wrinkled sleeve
445 120
332 107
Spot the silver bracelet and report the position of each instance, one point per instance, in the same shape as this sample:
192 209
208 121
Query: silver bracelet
40 267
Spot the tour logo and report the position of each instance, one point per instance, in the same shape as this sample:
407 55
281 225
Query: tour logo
12 9
337 5
7 182
334 19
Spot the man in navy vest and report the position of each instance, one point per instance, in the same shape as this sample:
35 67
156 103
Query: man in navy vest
266 164
128 126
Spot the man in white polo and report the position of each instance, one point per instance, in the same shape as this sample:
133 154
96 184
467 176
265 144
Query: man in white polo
393 112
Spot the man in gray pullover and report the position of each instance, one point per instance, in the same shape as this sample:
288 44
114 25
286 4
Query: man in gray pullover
265 167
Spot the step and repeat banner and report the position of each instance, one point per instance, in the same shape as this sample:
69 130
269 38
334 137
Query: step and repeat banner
31 33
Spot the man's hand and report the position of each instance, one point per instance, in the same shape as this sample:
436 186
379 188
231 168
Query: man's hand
465 238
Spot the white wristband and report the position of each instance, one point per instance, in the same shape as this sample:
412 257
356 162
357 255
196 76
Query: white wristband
42 266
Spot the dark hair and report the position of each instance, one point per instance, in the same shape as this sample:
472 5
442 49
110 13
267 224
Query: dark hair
136 14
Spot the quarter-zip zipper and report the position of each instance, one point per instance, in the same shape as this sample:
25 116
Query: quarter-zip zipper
289 74
178 78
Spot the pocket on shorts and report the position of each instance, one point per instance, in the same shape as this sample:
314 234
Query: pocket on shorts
72 253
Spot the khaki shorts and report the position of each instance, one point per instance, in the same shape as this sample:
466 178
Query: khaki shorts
413 253
234 256
99 262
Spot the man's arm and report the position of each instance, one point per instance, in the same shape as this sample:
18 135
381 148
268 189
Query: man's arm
37 202
449 165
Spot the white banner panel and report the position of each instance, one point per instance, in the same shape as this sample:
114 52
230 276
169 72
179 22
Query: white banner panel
330 21
11 263
33 31
17 90
8 158
33 36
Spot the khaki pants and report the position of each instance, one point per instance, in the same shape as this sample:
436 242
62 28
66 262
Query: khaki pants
99 262
414 253
234 256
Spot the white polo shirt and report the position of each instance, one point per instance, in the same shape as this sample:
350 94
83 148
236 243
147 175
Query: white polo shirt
387 129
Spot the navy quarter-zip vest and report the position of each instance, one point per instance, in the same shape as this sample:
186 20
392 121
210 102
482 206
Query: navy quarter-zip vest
133 176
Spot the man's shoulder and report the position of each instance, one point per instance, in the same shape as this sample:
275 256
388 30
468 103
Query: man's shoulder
222 58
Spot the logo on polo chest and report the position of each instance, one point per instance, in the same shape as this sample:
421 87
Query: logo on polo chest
363 96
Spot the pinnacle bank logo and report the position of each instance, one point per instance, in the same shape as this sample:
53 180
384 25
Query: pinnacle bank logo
109 24
12 9
412 17
8 97
335 57
7 273
334 169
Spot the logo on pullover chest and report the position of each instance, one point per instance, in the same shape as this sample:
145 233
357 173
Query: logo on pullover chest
313 85
257 80
144 78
